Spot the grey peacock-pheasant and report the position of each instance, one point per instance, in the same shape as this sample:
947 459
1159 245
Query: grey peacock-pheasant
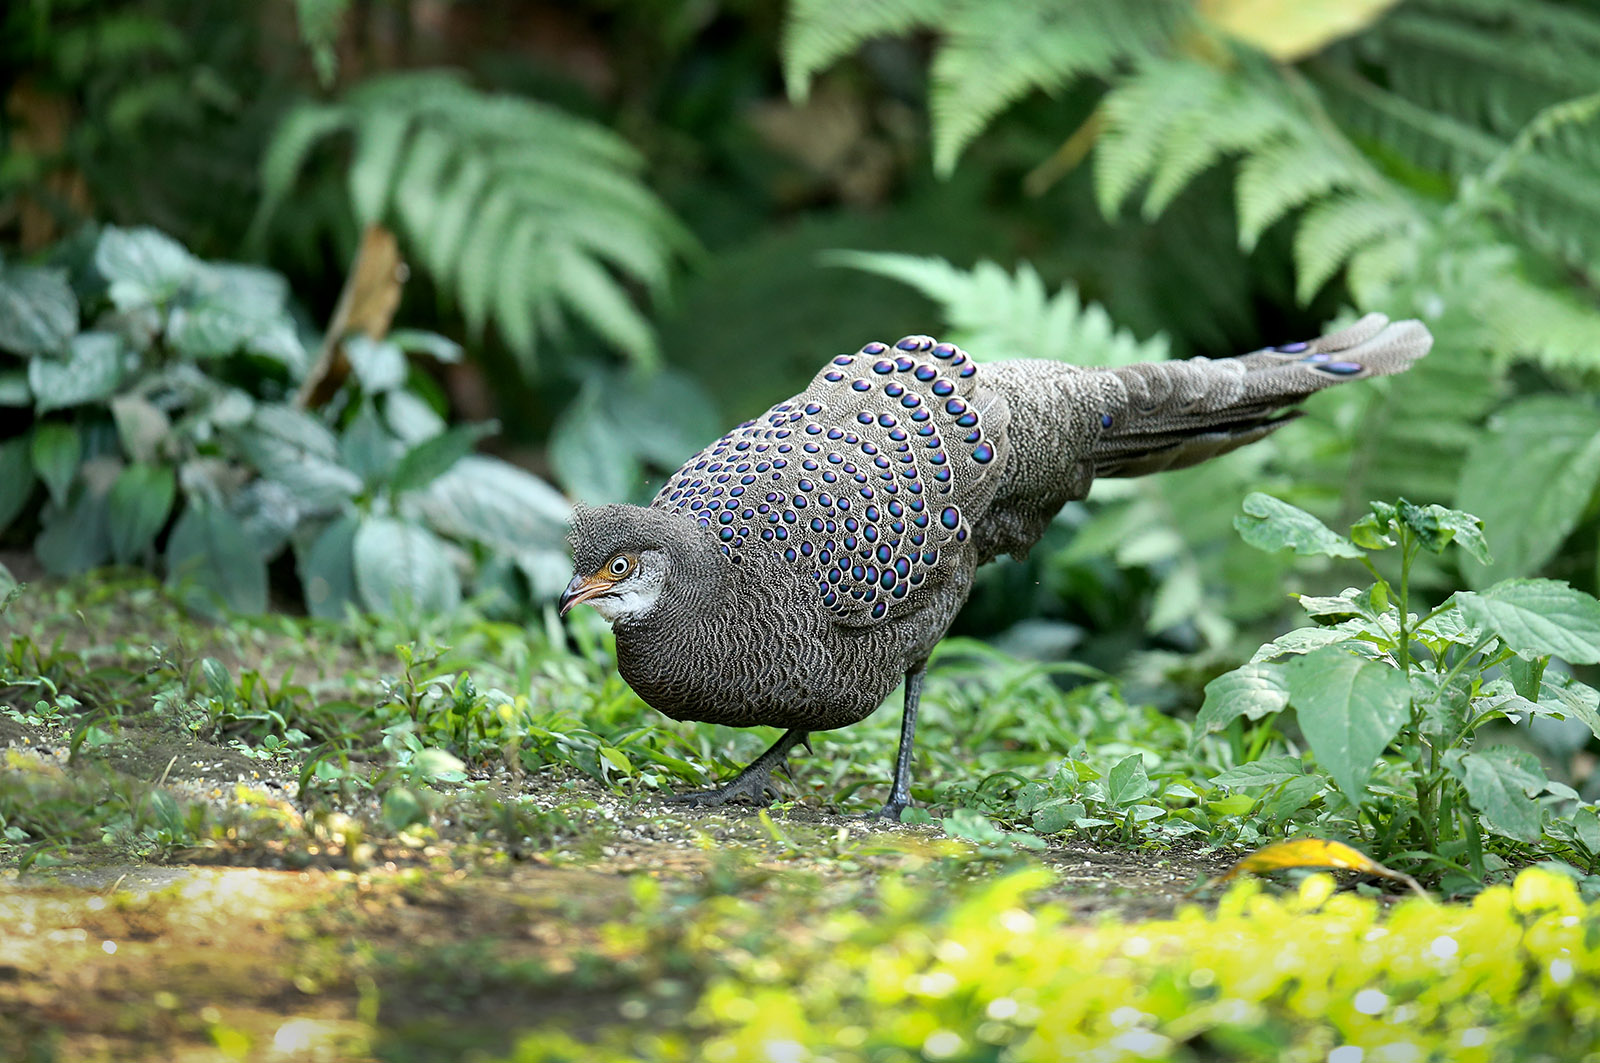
797 569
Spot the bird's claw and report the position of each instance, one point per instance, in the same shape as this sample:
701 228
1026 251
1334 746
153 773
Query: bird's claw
751 787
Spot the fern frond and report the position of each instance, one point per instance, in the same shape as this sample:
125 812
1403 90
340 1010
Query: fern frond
994 54
1338 227
819 33
524 213
1003 315
1283 175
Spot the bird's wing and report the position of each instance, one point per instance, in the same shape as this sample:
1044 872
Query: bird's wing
863 480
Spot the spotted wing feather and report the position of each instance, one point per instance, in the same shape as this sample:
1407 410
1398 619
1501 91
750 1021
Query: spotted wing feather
862 480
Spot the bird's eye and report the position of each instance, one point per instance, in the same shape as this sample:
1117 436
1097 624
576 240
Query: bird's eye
619 566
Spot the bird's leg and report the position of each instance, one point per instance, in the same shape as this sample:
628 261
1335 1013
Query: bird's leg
754 783
900 790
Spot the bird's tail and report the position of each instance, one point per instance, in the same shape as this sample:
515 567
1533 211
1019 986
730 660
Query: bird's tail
1175 414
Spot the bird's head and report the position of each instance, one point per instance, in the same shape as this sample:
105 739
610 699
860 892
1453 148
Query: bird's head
632 562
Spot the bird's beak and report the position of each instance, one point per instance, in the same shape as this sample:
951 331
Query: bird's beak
581 589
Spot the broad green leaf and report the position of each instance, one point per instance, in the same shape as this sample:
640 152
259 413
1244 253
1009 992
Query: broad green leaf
367 448
418 341
488 501
14 389
142 427
1127 782
1268 771
295 449
432 458
1537 618
1270 524
1294 795
1572 699
589 457
236 308
1306 639
143 267
269 511
665 416
438 765
57 451
1501 782
1349 709
1527 675
379 365
212 561
410 417
38 311
95 365
140 502
74 536
1436 527
400 565
1530 476
16 479
328 572
402 808
1251 691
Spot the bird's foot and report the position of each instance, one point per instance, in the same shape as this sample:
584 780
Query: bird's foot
889 813
751 786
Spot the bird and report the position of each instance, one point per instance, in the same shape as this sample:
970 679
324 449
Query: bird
799 568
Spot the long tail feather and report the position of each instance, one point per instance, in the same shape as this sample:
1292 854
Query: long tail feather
1176 414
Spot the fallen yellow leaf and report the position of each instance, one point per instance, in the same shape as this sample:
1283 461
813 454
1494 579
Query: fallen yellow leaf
1316 852
1292 29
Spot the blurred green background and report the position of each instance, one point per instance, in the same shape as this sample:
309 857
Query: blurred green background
629 215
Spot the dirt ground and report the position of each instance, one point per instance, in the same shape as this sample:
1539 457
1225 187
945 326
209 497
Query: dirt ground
285 946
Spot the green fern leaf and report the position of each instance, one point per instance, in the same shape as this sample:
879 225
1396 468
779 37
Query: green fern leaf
1284 175
380 142
994 54
1335 229
818 33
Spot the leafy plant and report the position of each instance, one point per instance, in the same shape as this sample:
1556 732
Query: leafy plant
1376 676
164 427
524 213
1429 156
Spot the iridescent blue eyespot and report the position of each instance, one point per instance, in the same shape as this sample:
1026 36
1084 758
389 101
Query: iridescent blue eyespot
1291 348
955 406
911 401
950 517
1342 368
942 388
983 453
883 366
926 372
861 385
864 417
894 390
1105 420
874 348
903 363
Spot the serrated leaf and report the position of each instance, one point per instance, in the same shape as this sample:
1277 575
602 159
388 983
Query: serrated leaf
432 458
93 370
1537 618
38 311
1349 709
410 418
588 455
1574 700
1251 691
1271 524
399 565
1258 774
212 563
139 504
1501 782
16 479
1436 527
56 453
